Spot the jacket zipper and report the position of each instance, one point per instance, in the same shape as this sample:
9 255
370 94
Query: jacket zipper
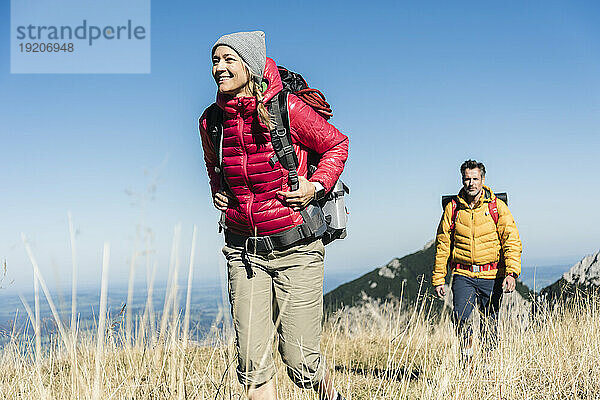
245 173
472 237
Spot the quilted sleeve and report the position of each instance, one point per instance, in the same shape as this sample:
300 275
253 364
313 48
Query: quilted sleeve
442 247
314 132
210 156
509 239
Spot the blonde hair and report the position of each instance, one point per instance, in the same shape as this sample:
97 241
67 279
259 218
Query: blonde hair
255 90
263 113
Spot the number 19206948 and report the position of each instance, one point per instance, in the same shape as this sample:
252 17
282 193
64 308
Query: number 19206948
46 47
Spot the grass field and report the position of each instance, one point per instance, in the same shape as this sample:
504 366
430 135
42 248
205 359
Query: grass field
377 351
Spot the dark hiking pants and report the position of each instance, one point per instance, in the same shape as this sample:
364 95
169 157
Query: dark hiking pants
486 293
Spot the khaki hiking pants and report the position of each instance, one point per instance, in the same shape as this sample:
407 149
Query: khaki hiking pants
280 293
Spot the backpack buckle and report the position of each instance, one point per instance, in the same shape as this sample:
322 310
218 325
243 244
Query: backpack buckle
256 244
268 244
304 231
281 132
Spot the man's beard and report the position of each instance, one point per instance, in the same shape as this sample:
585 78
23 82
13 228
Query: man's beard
473 192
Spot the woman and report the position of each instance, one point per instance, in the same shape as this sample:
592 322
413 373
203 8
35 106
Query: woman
278 290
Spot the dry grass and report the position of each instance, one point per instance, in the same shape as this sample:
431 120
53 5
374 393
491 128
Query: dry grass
377 351
554 355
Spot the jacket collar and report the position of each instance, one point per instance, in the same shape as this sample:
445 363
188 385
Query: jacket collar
486 197
273 79
247 105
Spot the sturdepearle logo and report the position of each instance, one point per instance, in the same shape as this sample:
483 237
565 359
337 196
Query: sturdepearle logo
84 31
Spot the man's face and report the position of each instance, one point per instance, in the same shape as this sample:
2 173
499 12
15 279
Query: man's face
473 181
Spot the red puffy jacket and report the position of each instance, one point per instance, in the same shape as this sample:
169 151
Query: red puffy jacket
247 150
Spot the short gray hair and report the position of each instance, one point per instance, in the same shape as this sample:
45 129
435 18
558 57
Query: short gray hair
472 164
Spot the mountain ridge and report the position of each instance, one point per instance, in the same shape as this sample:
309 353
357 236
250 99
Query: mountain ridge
583 277
406 279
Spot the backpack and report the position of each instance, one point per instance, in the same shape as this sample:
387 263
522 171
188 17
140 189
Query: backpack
326 218
492 207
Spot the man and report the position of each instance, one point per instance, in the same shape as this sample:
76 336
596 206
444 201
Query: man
477 237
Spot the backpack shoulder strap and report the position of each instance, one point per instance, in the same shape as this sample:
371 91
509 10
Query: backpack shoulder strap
493 206
281 138
452 227
214 126
283 110
454 214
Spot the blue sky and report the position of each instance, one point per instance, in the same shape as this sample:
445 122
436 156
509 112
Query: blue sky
418 87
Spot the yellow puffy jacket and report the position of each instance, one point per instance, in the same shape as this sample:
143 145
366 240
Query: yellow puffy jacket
477 239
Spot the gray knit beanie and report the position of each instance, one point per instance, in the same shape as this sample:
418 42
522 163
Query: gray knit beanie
250 46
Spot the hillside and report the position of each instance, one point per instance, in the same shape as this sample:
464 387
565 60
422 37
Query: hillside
583 277
405 278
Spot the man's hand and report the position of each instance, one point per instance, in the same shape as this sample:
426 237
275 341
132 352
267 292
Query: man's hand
221 200
509 284
441 291
298 199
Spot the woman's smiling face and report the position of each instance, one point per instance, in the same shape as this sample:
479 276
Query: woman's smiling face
229 72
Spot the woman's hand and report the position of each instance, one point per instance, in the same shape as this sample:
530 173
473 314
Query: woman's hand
221 200
298 199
